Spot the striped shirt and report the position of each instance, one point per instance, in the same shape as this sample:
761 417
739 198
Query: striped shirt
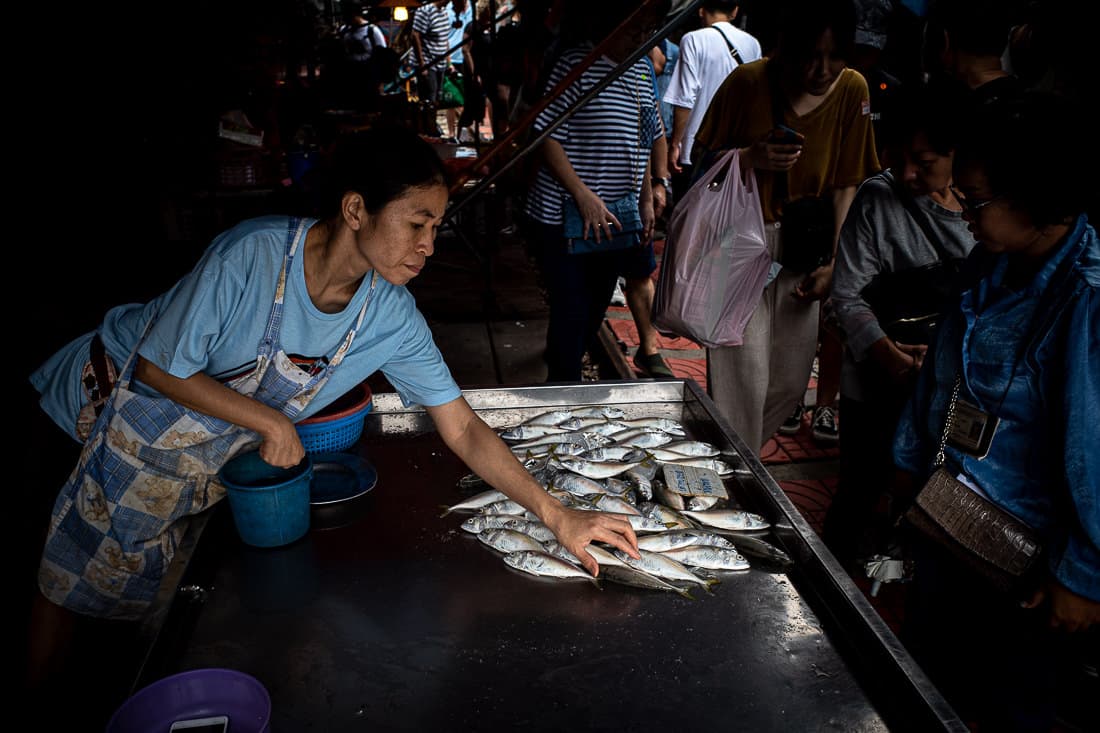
607 141
433 23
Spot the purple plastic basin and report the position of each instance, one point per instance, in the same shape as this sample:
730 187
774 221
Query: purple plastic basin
196 694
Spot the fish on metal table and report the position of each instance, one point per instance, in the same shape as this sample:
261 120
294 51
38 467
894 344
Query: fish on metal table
600 554
708 556
509 540
731 519
542 563
641 437
759 548
655 563
476 502
593 469
664 424
626 575
670 517
508 506
674 538
692 448
530 432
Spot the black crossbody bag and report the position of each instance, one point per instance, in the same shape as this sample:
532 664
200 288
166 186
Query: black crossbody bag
909 304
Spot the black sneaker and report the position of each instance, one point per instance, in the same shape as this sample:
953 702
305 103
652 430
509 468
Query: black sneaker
793 422
824 425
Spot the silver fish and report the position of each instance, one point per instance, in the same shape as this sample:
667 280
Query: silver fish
587 440
609 503
607 453
575 483
530 432
553 417
759 548
580 423
731 519
717 465
509 540
546 565
601 555
692 448
594 469
662 513
668 497
470 481
708 556
642 438
664 424
475 502
641 480
626 575
682 538
657 564
639 523
507 506
701 503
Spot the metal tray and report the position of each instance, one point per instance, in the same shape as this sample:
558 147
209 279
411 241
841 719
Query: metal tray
401 621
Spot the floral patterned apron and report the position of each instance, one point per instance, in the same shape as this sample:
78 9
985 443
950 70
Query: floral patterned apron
150 464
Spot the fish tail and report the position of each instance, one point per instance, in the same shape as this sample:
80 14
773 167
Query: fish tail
446 510
684 592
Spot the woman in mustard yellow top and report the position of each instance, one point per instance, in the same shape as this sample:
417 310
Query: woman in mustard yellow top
756 385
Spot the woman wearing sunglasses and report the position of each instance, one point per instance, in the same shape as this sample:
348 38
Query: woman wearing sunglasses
1007 401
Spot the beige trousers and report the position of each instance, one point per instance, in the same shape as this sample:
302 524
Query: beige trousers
756 385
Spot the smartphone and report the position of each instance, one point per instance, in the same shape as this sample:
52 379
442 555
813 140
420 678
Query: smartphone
212 724
783 135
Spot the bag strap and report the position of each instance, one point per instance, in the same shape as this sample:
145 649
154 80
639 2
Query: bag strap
920 218
780 189
733 49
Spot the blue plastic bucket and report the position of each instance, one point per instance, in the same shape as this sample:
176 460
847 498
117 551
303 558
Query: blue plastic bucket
199 693
270 505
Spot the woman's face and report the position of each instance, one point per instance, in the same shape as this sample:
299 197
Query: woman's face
991 218
822 66
400 238
922 169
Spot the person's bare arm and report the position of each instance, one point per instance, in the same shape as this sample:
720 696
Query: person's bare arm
593 211
817 284
482 450
676 144
281 445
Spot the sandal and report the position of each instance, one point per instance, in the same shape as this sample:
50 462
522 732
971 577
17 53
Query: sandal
652 365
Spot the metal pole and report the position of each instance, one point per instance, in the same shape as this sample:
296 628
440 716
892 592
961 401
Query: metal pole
564 84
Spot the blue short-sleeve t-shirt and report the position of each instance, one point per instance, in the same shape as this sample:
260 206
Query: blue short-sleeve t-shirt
213 320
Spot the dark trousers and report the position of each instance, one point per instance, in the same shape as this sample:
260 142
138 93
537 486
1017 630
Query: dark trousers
579 289
853 525
999 665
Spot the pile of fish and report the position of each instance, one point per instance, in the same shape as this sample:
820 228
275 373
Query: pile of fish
593 459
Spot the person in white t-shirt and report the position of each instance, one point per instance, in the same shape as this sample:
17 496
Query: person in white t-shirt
707 56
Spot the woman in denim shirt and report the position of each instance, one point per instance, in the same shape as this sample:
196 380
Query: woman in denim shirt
1025 344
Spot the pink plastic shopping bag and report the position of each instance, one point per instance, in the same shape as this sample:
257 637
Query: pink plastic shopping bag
716 260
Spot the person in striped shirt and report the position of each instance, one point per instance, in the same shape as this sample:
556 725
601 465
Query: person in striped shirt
596 161
430 33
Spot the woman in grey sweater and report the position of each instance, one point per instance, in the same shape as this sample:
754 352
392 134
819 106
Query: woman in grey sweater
883 233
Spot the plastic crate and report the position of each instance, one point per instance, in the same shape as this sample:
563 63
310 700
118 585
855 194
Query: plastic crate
339 425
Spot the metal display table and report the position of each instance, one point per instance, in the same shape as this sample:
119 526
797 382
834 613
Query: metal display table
391 617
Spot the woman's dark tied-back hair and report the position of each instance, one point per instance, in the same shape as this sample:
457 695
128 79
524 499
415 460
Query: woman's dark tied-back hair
1013 143
801 23
380 164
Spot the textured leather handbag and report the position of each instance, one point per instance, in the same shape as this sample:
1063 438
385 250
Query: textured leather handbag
984 537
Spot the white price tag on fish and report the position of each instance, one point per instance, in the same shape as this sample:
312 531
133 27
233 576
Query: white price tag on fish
694 481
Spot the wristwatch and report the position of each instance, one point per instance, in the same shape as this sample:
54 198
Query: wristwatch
666 182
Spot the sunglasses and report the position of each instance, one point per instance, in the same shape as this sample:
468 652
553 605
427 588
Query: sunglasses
972 207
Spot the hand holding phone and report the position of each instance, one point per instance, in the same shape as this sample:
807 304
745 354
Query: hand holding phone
783 135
